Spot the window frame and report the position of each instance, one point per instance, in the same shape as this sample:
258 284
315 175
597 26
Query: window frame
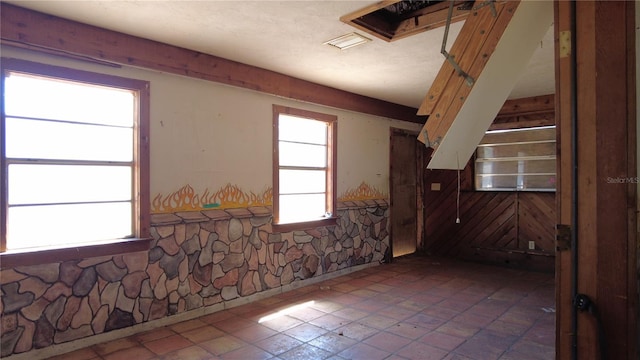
478 159
331 176
141 215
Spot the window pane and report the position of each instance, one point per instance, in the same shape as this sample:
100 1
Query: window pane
295 208
302 181
43 184
516 167
31 226
517 150
69 101
299 129
53 140
516 182
294 154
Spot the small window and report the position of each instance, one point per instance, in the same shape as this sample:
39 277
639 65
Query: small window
517 160
304 166
74 157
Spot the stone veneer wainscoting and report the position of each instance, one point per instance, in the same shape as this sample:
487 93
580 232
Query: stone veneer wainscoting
199 262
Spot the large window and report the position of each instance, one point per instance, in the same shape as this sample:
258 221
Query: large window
304 173
74 157
517 160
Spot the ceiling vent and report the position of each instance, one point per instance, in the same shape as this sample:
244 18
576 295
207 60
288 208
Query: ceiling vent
393 20
348 41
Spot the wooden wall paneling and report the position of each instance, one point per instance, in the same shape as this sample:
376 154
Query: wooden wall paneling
562 20
527 106
606 226
536 216
633 327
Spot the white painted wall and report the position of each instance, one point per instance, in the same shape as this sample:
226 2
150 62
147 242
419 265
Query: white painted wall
207 135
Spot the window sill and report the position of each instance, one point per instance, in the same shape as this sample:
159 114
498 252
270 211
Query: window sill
36 256
304 225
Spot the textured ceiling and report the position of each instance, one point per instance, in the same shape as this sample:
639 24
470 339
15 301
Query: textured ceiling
288 37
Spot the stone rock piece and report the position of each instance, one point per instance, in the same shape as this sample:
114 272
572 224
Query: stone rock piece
119 319
183 288
235 229
274 238
208 291
293 253
310 266
160 291
246 285
216 272
145 308
236 246
155 254
136 261
46 272
35 310
169 245
166 231
253 258
206 255
271 281
220 246
229 292
170 264
69 272
70 308
8 341
193 301
100 320
12 300
43 335
232 261
25 343
254 239
10 275
202 274
258 221
230 278
192 245
159 309
85 282
109 295
54 310
287 275
83 316
123 302
132 283
180 233
109 271
302 238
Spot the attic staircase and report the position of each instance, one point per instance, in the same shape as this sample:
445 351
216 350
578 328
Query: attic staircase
492 49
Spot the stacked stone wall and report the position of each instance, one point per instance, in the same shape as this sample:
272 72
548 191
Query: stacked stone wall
197 259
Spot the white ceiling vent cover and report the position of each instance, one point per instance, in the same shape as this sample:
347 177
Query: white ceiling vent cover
347 41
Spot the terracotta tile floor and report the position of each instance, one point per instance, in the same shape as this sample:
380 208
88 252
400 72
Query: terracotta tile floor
415 308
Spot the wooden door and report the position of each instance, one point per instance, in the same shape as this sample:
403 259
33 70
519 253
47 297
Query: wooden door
405 186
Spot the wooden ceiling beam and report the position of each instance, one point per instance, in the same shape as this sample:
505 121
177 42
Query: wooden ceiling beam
33 30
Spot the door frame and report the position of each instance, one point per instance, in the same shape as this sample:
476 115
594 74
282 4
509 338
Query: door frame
419 155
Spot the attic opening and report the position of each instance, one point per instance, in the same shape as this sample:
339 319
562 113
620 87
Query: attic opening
393 20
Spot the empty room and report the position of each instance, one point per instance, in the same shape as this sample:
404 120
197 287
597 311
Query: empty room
319 179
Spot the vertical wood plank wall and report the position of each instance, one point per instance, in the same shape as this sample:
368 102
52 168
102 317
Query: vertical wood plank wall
495 227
